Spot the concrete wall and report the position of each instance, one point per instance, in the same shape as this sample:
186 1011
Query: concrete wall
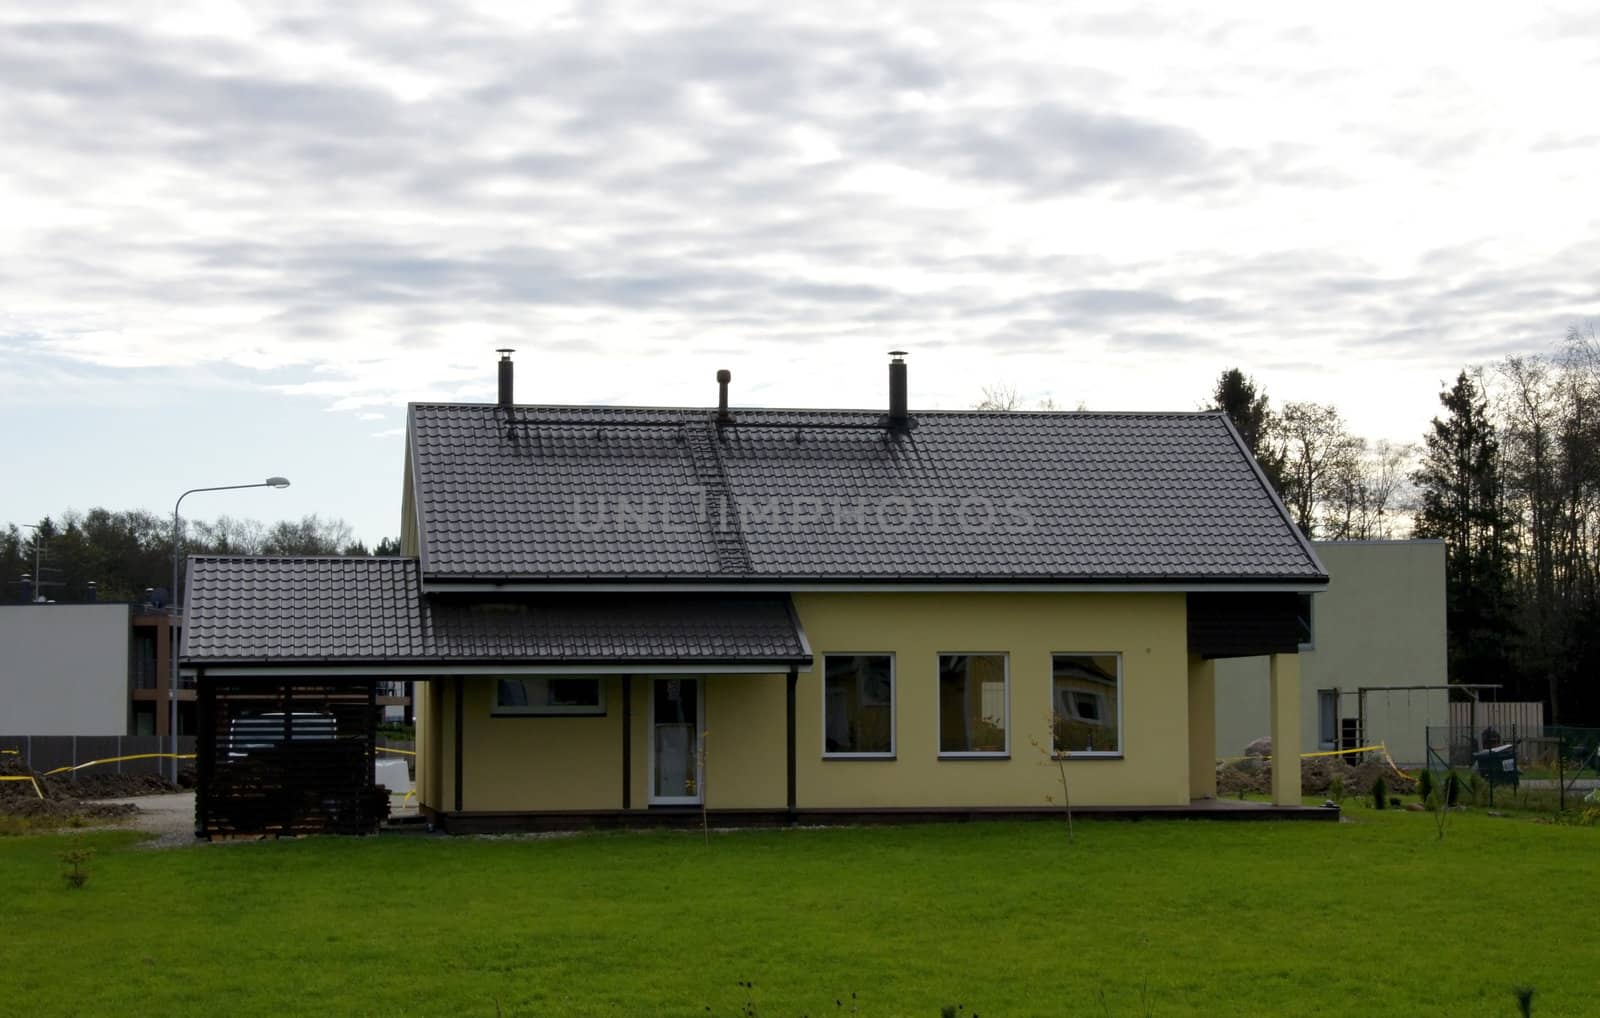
548 763
1381 622
64 669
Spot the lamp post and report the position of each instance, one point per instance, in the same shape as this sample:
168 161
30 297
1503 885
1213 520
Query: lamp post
172 611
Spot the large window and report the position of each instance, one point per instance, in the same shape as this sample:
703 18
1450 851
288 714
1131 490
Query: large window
858 705
548 696
973 705
1086 703
1305 620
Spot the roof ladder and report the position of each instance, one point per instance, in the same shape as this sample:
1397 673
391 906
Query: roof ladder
721 510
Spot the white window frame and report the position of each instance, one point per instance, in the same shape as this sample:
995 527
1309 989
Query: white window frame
1080 754
894 705
699 798
966 754
559 711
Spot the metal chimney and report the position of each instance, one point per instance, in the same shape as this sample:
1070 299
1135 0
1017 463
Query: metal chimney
899 416
724 376
505 376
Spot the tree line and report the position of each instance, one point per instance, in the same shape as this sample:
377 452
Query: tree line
1508 475
125 553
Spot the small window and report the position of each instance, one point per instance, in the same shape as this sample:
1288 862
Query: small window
549 696
973 705
858 705
1086 703
1303 618
1327 718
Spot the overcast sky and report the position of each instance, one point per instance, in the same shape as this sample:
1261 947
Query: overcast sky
236 240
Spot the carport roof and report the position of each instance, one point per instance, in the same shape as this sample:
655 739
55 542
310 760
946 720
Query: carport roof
300 611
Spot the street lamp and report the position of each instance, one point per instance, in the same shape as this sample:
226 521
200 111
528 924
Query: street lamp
172 616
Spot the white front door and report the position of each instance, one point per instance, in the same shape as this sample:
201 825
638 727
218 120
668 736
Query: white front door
677 711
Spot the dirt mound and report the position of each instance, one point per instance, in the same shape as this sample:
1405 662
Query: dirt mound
64 797
103 784
1316 777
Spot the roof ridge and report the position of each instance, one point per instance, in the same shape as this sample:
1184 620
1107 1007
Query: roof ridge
864 411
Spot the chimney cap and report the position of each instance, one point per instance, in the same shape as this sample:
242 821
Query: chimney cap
897 354
724 376
505 352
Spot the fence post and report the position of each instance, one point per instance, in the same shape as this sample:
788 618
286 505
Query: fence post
1561 769
74 771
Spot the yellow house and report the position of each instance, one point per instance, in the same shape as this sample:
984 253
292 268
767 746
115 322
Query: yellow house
622 616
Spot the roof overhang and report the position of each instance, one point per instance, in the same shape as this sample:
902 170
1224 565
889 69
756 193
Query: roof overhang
443 669
265 616
509 585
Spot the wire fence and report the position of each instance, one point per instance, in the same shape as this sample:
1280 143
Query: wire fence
44 753
1552 765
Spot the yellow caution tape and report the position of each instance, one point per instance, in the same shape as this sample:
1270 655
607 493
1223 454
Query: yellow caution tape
408 796
1396 767
386 749
9 752
24 777
1304 756
1342 752
119 759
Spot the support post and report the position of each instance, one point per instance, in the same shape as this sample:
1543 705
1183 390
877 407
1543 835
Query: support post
459 722
1202 728
1286 730
627 742
794 679
164 691
205 748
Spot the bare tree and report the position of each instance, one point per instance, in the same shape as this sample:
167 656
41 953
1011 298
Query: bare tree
229 535
1316 449
1370 493
311 535
998 397
1001 396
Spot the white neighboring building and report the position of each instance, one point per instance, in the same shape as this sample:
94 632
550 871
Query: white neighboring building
64 669
1381 622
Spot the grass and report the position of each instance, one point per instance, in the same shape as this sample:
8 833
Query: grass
1374 917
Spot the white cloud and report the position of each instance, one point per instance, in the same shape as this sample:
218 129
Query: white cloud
1109 205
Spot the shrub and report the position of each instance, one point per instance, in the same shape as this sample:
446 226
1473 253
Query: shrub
1424 786
77 862
1452 788
1336 788
1380 793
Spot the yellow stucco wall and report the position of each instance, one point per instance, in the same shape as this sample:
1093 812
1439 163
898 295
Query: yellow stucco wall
1202 727
540 763
513 764
1147 629
746 741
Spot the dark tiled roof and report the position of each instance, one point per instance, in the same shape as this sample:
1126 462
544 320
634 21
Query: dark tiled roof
351 610
603 628
587 493
302 608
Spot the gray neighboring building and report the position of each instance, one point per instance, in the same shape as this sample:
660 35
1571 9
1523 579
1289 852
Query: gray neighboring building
1381 622
64 669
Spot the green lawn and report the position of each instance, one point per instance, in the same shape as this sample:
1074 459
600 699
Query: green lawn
1368 918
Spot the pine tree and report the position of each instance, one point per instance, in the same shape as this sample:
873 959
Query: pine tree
1463 502
1248 409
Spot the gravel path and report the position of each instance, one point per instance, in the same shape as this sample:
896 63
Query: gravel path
169 817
